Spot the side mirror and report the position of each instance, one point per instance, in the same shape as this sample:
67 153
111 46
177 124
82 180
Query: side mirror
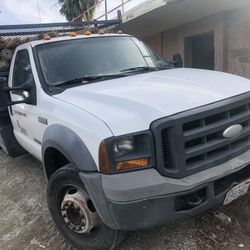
5 99
177 61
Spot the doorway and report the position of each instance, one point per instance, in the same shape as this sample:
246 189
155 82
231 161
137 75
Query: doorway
199 51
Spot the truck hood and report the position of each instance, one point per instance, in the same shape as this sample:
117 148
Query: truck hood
131 103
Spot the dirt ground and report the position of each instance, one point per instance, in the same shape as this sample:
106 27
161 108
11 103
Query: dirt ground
25 223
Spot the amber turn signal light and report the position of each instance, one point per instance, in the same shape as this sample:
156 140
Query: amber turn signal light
106 167
132 164
104 164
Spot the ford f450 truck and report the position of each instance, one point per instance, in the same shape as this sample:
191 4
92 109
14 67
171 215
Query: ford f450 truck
127 141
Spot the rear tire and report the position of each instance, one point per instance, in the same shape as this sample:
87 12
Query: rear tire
64 186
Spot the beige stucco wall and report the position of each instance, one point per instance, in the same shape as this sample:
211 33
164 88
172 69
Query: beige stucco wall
237 42
212 23
154 41
172 41
231 34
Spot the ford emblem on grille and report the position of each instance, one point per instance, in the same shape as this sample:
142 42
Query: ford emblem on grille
232 131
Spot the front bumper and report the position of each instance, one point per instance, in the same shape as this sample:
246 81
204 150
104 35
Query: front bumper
142 199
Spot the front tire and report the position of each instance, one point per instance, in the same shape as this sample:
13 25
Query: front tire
74 214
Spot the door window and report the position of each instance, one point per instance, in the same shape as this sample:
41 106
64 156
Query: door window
22 69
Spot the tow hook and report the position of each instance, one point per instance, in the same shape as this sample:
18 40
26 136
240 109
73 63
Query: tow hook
193 200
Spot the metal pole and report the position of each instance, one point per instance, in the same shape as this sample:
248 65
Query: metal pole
123 7
106 10
39 11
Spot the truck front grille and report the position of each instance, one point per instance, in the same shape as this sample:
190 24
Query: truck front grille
193 141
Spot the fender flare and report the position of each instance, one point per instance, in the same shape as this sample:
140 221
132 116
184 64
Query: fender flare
70 145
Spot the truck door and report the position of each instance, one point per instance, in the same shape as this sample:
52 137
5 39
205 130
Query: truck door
23 115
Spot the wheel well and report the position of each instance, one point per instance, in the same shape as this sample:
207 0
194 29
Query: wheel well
53 160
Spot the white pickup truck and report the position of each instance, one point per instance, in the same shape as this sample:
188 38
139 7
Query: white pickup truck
127 141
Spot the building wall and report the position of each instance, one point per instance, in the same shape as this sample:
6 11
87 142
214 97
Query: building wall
237 42
231 40
155 42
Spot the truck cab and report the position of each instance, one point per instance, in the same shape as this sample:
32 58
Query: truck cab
127 141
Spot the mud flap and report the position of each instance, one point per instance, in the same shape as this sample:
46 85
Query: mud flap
8 141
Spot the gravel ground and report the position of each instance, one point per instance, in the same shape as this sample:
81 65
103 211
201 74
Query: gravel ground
25 222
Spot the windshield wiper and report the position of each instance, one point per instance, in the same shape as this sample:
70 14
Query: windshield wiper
164 67
89 79
139 69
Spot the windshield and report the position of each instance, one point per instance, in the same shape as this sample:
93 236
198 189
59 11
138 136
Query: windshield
95 58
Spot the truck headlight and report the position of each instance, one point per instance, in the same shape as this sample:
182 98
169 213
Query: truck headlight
126 153
124 146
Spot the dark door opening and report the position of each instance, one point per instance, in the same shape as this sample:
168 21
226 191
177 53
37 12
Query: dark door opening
199 51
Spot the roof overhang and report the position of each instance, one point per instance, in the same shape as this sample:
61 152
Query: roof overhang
155 16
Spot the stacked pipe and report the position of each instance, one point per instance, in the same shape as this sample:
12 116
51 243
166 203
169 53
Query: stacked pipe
8 46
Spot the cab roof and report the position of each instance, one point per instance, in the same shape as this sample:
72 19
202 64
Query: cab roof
66 38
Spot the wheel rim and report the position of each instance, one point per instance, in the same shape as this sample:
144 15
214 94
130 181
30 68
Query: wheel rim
78 212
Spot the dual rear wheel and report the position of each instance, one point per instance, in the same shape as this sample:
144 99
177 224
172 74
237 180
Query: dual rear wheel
74 213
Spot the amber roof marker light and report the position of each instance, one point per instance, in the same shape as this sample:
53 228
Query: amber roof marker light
73 34
46 37
87 33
